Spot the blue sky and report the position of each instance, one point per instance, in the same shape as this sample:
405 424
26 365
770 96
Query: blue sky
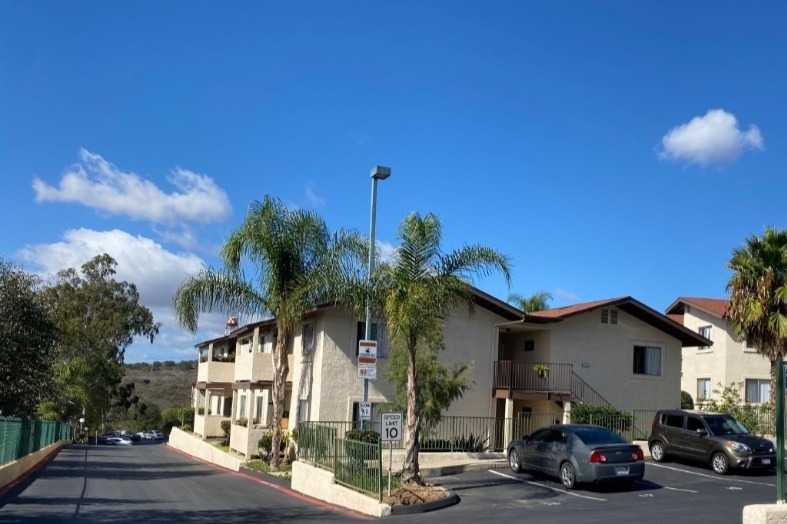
609 148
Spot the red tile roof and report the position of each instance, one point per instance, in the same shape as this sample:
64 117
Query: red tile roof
715 306
567 311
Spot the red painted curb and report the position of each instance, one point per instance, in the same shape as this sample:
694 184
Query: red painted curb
280 489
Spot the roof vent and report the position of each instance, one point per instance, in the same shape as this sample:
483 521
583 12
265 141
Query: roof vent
613 316
604 316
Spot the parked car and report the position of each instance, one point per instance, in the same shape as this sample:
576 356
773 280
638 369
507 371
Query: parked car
578 453
717 439
127 434
119 441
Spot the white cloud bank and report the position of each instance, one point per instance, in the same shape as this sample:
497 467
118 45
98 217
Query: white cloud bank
711 140
98 184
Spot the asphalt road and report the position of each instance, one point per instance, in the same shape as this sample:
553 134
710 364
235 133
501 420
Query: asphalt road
148 483
153 483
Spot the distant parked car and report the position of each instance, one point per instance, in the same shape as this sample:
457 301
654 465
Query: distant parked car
578 453
717 439
133 436
158 435
119 441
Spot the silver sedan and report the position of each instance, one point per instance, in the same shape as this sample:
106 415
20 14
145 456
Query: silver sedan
578 453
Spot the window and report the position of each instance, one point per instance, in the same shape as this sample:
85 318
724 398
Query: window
675 421
261 344
647 360
703 388
245 345
530 345
694 424
758 390
303 411
705 331
242 407
374 421
382 341
750 342
307 340
258 409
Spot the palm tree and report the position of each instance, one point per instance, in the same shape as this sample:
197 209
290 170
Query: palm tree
417 292
758 295
295 259
535 302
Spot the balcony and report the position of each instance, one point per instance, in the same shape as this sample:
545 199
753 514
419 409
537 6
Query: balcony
532 380
213 371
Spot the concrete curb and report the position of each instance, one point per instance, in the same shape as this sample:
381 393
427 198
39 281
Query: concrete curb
412 509
454 469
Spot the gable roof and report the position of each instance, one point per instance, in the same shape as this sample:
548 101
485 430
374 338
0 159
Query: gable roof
713 306
631 306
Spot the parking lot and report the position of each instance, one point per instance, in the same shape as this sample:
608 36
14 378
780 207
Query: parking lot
670 492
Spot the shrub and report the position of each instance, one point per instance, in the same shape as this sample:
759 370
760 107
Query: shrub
266 441
605 416
201 411
363 435
226 427
242 422
686 402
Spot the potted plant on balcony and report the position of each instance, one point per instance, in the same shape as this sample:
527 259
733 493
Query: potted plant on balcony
542 370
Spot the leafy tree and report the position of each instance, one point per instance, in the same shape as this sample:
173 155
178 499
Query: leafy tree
535 302
758 295
98 318
144 415
418 291
439 385
27 343
686 402
294 257
757 419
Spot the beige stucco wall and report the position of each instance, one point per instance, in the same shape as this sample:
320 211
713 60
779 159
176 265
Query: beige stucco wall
195 447
726 361
215 371
602 355
16 469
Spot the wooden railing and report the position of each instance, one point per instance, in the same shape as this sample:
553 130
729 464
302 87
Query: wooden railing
548 377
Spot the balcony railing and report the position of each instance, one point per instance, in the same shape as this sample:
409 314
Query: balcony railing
549 377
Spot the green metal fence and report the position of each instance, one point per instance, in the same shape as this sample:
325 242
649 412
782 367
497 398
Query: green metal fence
358 465
20 437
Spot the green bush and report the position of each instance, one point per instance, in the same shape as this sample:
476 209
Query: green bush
686 402
605 416
363 435
226 427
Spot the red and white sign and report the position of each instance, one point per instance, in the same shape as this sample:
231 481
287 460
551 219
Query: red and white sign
367 359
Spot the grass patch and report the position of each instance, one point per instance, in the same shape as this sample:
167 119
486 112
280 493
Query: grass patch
263 467
217 444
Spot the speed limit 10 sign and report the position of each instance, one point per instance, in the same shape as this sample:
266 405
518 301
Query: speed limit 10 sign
391 426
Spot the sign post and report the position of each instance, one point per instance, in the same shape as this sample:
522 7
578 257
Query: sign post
391 429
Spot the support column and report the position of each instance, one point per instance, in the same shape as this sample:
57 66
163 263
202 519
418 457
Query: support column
508 432
567 412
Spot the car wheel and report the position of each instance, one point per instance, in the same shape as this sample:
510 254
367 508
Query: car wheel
657 452
514 461
720 463
567 475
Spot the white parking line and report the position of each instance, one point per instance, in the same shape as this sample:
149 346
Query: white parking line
714 477
679 489
544 486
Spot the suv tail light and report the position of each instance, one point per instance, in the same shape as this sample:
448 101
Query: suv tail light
597 457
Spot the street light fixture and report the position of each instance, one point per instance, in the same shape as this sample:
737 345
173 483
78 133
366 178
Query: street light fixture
377 173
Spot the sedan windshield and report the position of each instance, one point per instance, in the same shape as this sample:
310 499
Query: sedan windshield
598 436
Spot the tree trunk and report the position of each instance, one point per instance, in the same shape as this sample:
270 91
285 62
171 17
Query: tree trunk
411 470
280 369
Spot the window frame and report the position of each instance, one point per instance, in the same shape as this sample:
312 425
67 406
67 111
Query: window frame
645 359
707 389
702 330
382 345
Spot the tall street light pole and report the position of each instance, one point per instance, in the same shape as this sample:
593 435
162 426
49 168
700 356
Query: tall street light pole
378 173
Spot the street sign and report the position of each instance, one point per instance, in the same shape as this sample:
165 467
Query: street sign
367 351
391 426
367 359
365 409
367 371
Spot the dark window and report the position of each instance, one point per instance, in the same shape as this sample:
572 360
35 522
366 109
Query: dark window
598 436
750 342
382 342
676 421
647 360
530 345
694 423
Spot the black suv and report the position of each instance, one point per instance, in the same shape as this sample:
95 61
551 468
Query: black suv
714 438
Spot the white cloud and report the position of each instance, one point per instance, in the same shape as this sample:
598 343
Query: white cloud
311 194
155 271
386 251
566 296
98 184
713 139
